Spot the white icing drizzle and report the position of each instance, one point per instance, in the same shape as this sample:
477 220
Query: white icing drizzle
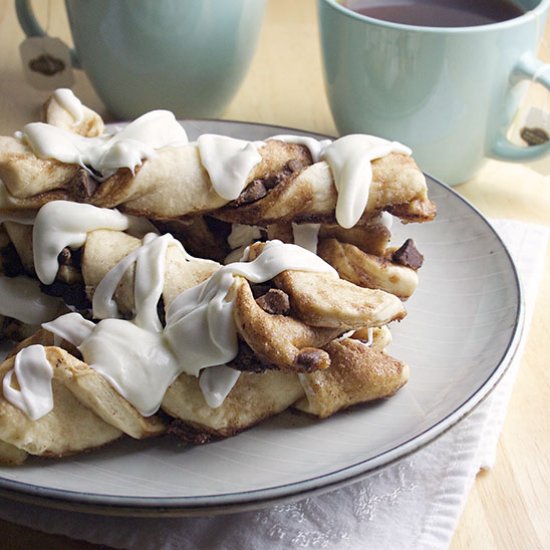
370 336
106 154
139 227
228 162
243 235
34 375
136 361
306 235
199 322
314 146
71 327
216 383
60 224
150 261
23 300
350 160
240 237
385 219
68 101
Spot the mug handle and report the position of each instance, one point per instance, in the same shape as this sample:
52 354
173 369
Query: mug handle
533 69
31 27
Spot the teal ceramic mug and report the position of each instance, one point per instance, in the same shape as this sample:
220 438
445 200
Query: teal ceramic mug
188 56
448 93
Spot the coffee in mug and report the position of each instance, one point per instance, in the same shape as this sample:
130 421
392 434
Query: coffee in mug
437 13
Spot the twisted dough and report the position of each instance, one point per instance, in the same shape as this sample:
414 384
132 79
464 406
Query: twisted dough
88 412
174 184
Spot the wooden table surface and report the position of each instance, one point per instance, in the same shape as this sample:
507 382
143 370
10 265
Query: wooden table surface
509 506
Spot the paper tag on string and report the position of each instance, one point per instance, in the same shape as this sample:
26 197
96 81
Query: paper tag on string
46 63
535 129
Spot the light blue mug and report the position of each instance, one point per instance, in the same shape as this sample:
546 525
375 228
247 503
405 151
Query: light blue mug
448 93
188 56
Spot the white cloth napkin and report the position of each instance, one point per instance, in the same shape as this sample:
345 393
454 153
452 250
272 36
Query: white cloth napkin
415 503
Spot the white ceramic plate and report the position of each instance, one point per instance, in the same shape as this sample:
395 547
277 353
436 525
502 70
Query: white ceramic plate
460 334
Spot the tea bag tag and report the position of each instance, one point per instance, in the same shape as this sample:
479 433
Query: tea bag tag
46 63
535 130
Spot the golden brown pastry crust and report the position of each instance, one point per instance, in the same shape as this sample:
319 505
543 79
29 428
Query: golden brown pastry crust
358 374
69 428
254 398
368 270
90 123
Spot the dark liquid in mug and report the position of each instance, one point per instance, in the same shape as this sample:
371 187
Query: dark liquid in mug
437 13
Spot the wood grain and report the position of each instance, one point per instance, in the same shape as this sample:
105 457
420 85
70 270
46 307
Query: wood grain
509 506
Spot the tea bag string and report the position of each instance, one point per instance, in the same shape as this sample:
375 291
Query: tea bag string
47 26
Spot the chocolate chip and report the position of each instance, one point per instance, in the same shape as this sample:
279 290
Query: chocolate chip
83 185
275 302
161 311
247 361
408 255
11 262
272 181
72 294
255 191
70 258
218 227
259 289
64 257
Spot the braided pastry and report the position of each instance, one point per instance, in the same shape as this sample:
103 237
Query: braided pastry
124 237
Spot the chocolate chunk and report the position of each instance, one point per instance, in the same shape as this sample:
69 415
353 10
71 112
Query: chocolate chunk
274 180
408 255
275 302
255 191
161 311
11 262
312 359
258 188
72 294
259 289
218 227
247 361
64 257
70 258
83 186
